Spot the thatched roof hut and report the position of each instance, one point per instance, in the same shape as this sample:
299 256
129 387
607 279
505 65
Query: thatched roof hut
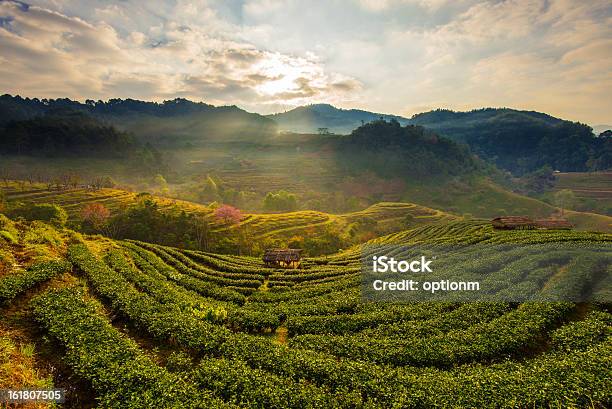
513 222
553 223
287 258
524 222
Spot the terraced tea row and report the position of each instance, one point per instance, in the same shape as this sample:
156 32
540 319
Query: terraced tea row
389 216
208 330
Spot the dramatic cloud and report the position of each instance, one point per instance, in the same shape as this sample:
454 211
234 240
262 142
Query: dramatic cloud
47 53
398 56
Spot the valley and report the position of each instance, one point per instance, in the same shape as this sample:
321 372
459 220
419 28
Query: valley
134 278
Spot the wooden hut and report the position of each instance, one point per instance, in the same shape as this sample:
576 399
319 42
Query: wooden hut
524 222
513 223
553 223
284 258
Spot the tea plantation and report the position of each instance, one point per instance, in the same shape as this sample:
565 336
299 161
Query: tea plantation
138 325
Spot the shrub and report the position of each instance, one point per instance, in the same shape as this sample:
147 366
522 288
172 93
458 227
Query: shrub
280 201
8 231
17 283
44 212
41 233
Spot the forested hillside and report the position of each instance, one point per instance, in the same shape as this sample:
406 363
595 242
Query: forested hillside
523 141
390 150
173 122
64 134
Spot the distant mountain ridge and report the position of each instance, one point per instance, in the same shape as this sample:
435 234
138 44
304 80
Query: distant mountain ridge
309 118
518 141
514 140
166 123
522 141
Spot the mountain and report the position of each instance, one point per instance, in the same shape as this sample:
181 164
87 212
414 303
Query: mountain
75 134
172 122
391 150
522 141
310 118
517 141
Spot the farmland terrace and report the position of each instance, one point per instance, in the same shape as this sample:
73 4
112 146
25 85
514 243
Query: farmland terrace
163 327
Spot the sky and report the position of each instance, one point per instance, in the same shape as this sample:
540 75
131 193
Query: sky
389 56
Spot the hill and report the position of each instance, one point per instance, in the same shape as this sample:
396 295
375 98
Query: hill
109 318
518 141
263 229
312 118
173 122
522 141
65 133
592 190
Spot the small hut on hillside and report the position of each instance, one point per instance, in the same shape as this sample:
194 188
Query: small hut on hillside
284 258
553 223
513 223
526 223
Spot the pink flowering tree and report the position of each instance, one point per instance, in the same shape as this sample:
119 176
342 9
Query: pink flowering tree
228 214
95 213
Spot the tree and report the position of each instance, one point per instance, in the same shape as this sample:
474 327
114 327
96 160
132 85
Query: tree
539 181
244 240
45 212
161 183
95 214
408 220
281 201
108 182
202 232
564 199
228 214
210 190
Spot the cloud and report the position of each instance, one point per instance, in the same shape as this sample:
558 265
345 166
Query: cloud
385 55
530 54
50 54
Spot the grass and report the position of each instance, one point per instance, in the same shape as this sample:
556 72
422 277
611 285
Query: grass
19 366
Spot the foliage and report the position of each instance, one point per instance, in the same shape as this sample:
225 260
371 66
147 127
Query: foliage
95 214
565 198
523 141
389 150
44 212
8 231
71 133
228 214
160 122
281 201
539 180
215 322
20 281
124 375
